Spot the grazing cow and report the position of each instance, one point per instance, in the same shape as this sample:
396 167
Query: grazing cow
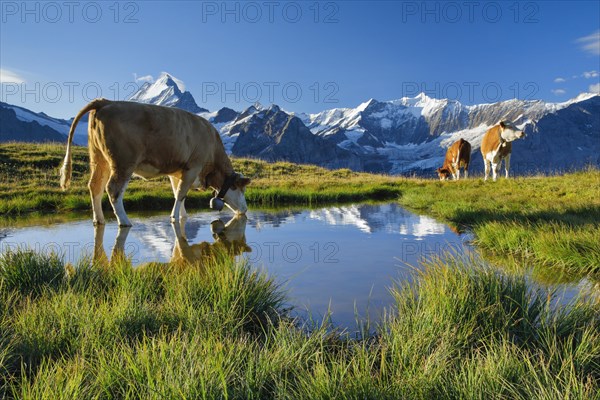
126 138
496 146
458 156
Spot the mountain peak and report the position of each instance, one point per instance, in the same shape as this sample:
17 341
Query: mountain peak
363 106
166 79
274 108
167 91
423 97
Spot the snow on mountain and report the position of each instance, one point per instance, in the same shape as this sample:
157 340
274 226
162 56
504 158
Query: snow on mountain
413 133
167 91
273 134
18 123
26 115
409 135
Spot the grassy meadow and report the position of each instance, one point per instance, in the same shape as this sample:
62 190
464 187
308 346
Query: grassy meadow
29 183
547 221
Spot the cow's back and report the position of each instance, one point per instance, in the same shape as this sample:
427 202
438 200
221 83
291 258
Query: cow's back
166 138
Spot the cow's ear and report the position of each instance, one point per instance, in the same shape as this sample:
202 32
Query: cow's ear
502 124
241 182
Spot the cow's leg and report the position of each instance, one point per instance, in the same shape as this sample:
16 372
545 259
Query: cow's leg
456 168
486 165
183 186
466 171
98 178
174 183
496 169
507 164
117 183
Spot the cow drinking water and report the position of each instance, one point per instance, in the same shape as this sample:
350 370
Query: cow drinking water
126 138
496 146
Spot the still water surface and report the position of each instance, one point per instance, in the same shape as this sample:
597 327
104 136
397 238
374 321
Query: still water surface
343 259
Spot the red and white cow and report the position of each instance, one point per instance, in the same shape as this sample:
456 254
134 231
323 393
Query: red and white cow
496 146
458 156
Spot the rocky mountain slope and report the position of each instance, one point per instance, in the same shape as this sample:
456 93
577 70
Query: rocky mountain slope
20 124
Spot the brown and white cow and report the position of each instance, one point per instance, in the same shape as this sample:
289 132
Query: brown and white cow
126 138
458 156
496 146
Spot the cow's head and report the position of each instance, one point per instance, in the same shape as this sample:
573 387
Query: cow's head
234 197
230 191
443 173
509 132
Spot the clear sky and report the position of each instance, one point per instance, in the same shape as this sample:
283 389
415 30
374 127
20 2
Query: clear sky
303 55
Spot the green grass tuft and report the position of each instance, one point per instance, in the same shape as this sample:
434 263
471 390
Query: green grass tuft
29 272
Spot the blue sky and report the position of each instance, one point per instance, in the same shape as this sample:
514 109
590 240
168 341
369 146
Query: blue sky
305 56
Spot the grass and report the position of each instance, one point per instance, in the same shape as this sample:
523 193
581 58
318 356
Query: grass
547 221
552 221
217 330
29 183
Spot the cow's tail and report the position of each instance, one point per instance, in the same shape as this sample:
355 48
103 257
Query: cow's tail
67 167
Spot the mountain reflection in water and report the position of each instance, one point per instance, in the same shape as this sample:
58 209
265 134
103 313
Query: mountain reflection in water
343 259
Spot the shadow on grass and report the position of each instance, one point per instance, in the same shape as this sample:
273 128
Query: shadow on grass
573 217
462 221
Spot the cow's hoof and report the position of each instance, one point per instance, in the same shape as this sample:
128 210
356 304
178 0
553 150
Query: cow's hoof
125 224
99 222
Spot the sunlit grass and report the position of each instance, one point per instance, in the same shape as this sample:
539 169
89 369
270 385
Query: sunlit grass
218 330
29 182
549 220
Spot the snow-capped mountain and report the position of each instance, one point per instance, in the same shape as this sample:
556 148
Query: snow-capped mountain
409 135
273 134
167 91
415 120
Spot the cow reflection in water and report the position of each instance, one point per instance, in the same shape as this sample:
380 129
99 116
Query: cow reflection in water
118 249
230 239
